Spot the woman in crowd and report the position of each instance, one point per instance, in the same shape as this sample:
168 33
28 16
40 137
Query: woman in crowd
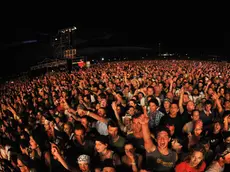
194 162
131 159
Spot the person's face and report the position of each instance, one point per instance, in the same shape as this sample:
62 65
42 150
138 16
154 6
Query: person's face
118 109
195 92
98 106
19 129
171 129
136 126
70 119
103 103
84 122
152 107
67 129
198 130
162 140
127 121
33 144
149 91
227 140
23 150
227 96
208 107
217 126
126 89
39 115
185 98
196 115
140 96
196 158
47 126
210 91
131 103
100 147
176 145
129 150
166 105
200 84
86 92
174 85
112 131
108 169
174 109
21 166
190 106
227 105
83 166
79 135
57 119
101 112
169 95
131 111
207 147
222 91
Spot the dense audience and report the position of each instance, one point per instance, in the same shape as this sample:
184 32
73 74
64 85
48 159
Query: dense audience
159 115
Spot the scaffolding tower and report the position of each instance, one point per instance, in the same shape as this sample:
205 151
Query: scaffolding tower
63 41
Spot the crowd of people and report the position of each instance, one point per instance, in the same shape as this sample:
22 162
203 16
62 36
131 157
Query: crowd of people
158 115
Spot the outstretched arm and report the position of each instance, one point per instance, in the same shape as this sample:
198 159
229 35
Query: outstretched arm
148 143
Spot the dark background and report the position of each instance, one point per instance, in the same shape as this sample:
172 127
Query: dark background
198 36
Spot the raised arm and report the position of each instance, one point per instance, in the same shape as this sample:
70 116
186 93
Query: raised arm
215 97
148 143
121 125
181 100
82 112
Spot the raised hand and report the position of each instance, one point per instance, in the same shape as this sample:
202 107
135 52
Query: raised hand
143 119
215 96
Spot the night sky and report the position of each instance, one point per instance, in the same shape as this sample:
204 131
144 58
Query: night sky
200 35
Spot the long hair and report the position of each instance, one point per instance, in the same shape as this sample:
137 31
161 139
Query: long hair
196 148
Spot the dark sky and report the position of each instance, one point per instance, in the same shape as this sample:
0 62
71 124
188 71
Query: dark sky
175 28
176 33
172 34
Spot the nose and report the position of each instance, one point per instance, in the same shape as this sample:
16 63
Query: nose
194 160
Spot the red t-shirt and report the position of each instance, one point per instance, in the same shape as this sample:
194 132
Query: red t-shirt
185 167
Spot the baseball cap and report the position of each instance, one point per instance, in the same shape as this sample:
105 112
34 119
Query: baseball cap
167 99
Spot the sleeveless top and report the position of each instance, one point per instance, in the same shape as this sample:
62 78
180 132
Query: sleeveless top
157 162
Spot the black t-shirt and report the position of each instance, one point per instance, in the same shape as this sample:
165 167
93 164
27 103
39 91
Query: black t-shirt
177 121
138 143
215 139
186 116
87 148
